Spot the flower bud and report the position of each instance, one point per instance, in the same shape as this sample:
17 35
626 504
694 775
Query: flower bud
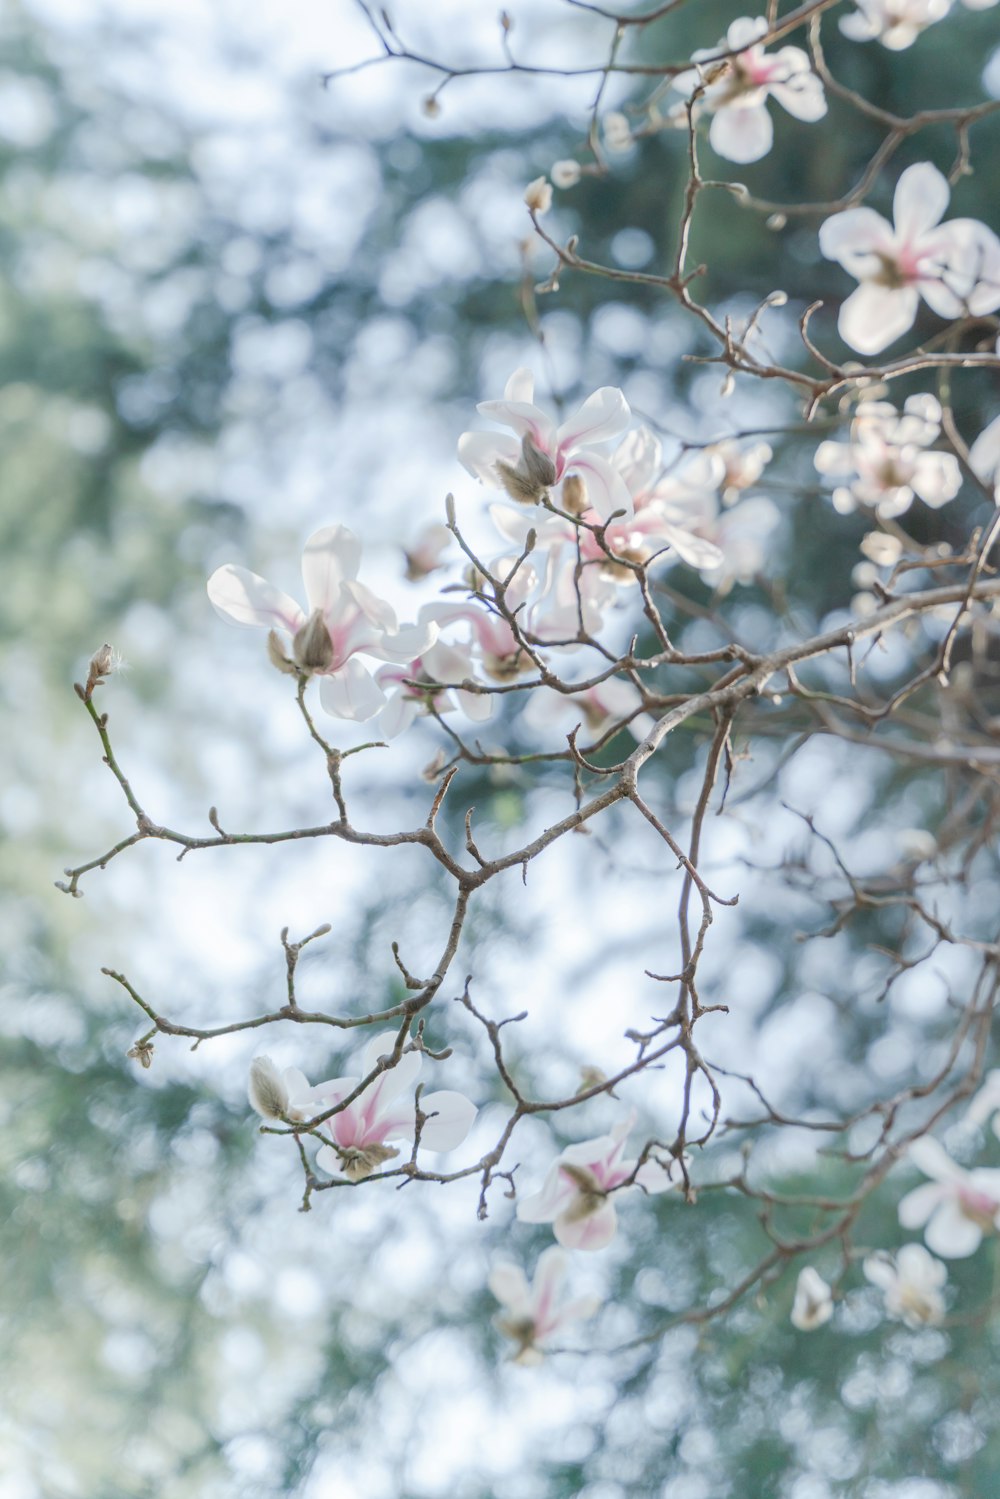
565 173
312 646
267 1091
142 1052
617 131
276 654
538 195
536 464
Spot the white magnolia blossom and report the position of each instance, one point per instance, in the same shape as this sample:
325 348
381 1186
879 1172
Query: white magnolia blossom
542 453
424 555
442 663
743 464
955 266
565 173
913 1283
740 86
813 1304
578 1195
384 1111
956 1207
344 619
894 23
887 462
533 1315
744 536
617 131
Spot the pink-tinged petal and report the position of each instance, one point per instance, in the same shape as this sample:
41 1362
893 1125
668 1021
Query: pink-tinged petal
593 1232
475 705
972 276
330 557
694 550
247 599
742 134
920 201
873 316
381 614
656 1178
351 692
520 387
917 1206
542 1206
398 714
509 1285
524 419
550 1272
802 95
408 642
639 458
383 1045
480 452
743 32
603 415
453 1115
854 237
606 489
951 1234
984 459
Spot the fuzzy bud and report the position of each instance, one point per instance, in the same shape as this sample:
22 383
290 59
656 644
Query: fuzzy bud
141 1052
565 173
267 1091
102 663
574 494
538 195
276 655
312 646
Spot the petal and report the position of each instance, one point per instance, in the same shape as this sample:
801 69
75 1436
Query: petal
520 386
937 478
351 692
852 237
542 1206
638 458
656 1178
930 1157
398 714
380 613
603 415
880 1270
480 452
247 599
550 1272
593 1232
917 1206
330 557
328 1160
951 1234
694 550
475 705
743 32
984 458
606 489
920 200
742 134
875 316
509 1285
453 1116
802 96
524 419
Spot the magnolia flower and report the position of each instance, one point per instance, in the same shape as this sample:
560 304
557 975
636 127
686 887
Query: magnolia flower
887 459
449 664
385 1111
743 465
565 173
345 619
541 454
895 23
740 86
912 1281
617 131
955 267
813 1304
576 1196
957 1206
533 1317
599 709
424 556
668 505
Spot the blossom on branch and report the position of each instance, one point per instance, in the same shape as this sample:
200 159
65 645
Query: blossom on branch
577 1196
386 1110
894 23
441 664
954 267
345 619
542 453
736 89
957 1206
534 1317
813 1304
912 1281
887 459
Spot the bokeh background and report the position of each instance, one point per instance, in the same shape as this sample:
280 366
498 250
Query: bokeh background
235 305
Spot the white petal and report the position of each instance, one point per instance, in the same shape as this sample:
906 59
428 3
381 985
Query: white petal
606 488
802 96
984 458
510 1286
351 692
397 715
852 237
917 1206
521 386
920 200
742 134
951 1234
543 1205
930 1157
937 478
875 316
603 415
744 31
454 1114
480 452
247 599
593 1232
330 557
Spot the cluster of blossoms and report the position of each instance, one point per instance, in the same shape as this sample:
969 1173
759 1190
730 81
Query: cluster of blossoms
888 460
956 1208
898 23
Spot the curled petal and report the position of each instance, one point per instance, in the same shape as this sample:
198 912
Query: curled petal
603 415
509 1285
351 692
248 599
331 556
742 133
917 1206
854 237
873 316
595 1231
920 200
453 1115
480 452
951 1234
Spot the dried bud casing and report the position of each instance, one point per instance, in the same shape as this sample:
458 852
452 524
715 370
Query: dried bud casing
276 655
574 494
267 1091
537 465
312 646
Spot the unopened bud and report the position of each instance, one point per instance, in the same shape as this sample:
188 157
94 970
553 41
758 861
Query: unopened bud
142 1052
776 221
276 654
538 195
574 494
312 646
431 107
591 1077
506 21
267 1091
102 663
565 173
617 131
